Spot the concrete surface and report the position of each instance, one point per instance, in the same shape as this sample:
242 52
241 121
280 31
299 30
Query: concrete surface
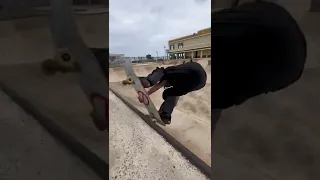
26 42
29 40
191 124
278 133
138 152
29 152
61 99
225 168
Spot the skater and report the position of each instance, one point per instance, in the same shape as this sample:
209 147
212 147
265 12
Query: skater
178 81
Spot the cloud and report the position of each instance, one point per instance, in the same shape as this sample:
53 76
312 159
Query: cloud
141 27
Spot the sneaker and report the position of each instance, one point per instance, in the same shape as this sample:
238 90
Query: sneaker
164 118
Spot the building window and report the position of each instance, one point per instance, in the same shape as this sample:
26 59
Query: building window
171 47
180 45
180 55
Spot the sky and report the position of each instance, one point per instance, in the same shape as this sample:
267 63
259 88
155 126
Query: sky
141 27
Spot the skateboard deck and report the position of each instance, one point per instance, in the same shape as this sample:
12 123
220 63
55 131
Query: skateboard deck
136 83
70 47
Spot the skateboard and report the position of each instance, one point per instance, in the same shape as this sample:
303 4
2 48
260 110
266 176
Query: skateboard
71 48
136 83
61 62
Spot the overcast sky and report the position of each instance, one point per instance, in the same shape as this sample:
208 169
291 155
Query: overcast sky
141 27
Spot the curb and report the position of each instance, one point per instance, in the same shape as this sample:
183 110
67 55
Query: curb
192 158
99 166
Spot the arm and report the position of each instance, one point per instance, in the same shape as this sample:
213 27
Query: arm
157 87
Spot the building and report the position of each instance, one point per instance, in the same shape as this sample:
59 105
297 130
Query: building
197 45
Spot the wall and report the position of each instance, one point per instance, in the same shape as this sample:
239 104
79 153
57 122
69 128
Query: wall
194 43
197 42
206 52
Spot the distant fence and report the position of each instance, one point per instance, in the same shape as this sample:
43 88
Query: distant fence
120 63
144 59
121 60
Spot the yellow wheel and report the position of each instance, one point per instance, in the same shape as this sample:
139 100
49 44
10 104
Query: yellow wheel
64 58
129 80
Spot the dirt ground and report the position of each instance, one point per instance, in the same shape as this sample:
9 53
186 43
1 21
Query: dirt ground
138 152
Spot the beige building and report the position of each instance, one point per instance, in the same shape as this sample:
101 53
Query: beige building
197 45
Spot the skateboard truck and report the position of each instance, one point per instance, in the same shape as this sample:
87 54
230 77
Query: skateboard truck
129 80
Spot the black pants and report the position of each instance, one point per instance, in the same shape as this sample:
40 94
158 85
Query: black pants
170 95
170 102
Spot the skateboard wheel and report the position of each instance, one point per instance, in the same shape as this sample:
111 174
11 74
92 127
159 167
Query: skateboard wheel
64 58
129 80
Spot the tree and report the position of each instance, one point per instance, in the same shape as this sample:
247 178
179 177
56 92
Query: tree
148 56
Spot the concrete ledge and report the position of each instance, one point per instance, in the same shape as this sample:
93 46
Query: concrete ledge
92 160
197 162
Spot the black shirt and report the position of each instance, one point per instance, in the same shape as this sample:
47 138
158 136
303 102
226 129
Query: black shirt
186 77
256 48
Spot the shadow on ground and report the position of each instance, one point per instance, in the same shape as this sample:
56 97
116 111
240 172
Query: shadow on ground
277 133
